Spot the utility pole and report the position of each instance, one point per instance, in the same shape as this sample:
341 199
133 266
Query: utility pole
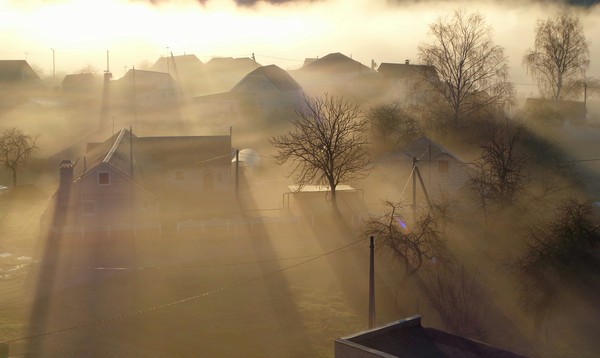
372 283
417 174
53 65
237 173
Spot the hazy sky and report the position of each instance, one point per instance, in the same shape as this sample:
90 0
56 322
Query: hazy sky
81 31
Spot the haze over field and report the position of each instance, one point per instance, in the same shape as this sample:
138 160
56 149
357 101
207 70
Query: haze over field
278 32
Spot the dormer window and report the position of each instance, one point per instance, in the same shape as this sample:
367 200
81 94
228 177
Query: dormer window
103 178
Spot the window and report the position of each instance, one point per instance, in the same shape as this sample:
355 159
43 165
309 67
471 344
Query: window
103 178
88 208
443 166
178 175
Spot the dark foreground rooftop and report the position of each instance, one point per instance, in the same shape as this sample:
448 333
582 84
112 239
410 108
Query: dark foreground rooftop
407 338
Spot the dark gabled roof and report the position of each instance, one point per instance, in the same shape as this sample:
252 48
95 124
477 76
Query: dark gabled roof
335 63
146 80
154 154
407 71
282 81
164 153
115 152
78 80
182 63
422 149
16 71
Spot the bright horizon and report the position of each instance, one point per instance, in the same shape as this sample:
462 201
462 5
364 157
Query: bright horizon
137 32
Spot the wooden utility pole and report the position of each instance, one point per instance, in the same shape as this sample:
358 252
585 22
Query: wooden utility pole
372 283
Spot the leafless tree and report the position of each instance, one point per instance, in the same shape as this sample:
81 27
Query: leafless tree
327 144
562 251
393 125
499 172
412 245
459 298
559 57
472 70
15 149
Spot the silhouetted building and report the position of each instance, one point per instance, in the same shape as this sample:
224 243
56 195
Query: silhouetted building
265 92
331 73
407 83
128 180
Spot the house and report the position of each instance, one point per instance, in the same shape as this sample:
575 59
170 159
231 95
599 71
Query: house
19 84
407 338
265 92
17 71
408 83
187 70
330 73
129 180
439 170
145 90
222 73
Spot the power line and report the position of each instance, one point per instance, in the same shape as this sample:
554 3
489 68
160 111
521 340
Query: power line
231 286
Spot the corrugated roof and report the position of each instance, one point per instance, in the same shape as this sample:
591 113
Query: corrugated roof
335 62
274 74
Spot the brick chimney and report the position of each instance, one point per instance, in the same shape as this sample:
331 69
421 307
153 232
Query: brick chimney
407 62
66 179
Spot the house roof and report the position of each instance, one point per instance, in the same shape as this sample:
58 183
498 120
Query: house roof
147 79
164 153
228 64
335 63
282 81
407 71
183 64
16 71
424 148
407 338
114 151
154 154
78 80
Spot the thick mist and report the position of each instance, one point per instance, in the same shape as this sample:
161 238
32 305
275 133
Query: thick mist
280 33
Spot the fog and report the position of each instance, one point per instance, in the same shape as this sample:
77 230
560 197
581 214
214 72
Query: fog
135 231
281 33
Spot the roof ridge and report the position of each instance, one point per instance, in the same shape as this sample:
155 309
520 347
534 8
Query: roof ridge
112 150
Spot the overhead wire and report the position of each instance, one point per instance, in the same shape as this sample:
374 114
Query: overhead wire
228 287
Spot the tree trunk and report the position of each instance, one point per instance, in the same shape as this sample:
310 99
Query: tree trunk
14 177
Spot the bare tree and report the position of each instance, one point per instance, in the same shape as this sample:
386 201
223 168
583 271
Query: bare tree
559 57
393 125
472 70
459 298
327 145
414 245
15 149
562 250
499 171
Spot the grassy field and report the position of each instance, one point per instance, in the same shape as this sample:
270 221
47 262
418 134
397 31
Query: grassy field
258 292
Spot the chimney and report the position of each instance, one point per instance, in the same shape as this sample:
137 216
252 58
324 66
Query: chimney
66 172
407 62
373 64
66 179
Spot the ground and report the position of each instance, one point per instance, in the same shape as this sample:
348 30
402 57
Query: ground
285 291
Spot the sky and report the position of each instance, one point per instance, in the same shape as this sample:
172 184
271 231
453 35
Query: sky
80 32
